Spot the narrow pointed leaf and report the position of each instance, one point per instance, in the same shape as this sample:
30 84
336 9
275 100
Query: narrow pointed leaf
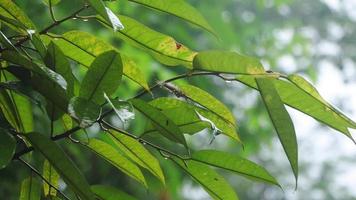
164 48
7 148
62 163
110 154
162 123
103 76
227 62
281 120
212 182
138 153
30 189
234 163
84 47
207 101
179 8
110 193
51 175
299 99
222 126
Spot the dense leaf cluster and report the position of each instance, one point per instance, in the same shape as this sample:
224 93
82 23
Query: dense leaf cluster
40 62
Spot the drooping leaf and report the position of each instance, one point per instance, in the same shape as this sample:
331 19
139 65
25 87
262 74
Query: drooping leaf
110 193
207 101
223 126
227 62
103 76
137 153
10 10
212 182
299 99
9 110
234 163
62 163
123 109
179 8
30 189
39 45
106 13
281 120
164 48
7 148
111 155
51 175
162 123
6 42
85 111
24 112
84 47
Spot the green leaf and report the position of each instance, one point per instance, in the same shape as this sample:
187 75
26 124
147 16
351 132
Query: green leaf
280 119
207 101
110 193
106 13
84 47
180 9
222 126
53 2
234 163
164 48
10 10
123 109
38 44
111 155
9 110
103 76
162 123
62 163
51 175
23 112
85 111
30 189
137 153
212 182
227 62
299 99
7 148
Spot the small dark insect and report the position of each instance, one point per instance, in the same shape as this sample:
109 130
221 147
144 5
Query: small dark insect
216 179
178 45
167 123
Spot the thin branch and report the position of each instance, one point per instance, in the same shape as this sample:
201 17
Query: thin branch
43 178
51 11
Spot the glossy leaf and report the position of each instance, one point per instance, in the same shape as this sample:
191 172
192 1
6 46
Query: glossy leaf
110 154
280 119
106 13
85 111
30 189
207 101
223 126
84 47
103 76
51 175
138 153
62 163
123 109
110 193
7 148
162 123
212 182
179 8
227 62
164 48
299 99
234 163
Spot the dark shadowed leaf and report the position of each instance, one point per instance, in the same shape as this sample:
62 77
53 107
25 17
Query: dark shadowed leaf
62 163
280 119
7 148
